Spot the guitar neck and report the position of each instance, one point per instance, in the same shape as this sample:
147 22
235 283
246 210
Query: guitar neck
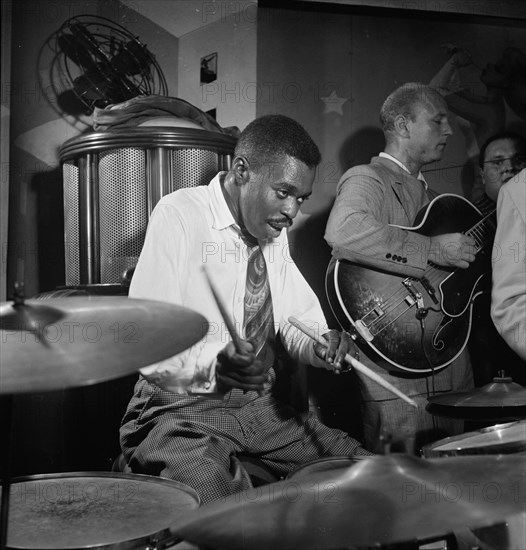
484 230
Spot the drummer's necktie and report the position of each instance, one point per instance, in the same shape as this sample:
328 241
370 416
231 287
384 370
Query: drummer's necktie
258 315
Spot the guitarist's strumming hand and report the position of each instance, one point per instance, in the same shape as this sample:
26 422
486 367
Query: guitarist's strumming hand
452 250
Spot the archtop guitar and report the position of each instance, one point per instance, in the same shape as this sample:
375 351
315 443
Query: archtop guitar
417 324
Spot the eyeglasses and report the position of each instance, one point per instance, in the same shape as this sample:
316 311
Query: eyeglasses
515 160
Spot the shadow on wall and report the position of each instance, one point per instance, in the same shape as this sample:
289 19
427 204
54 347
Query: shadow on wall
308 247
336 398
48 187
361 146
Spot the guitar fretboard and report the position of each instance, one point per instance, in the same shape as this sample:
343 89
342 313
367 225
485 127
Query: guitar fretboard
484 230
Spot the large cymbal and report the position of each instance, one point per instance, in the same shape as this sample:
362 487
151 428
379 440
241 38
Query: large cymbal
380 500
61 343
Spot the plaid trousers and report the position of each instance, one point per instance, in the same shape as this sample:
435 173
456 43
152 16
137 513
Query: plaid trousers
194 440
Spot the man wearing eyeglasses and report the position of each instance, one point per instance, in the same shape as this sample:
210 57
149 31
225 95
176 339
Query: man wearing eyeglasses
501 157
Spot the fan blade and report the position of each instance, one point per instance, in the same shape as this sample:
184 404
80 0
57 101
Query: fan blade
70 102
132 59
86 39
98 88
75 50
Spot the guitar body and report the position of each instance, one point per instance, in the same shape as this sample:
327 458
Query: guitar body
416 325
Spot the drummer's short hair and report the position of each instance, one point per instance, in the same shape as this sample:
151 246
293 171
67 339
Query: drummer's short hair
274 136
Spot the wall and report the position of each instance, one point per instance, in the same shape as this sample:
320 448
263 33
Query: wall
333 76
233 95
5 107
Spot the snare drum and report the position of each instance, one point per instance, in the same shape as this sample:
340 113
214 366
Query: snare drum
500 439
323 465
95 510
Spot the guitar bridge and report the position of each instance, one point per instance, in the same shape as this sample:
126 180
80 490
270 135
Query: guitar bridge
363 331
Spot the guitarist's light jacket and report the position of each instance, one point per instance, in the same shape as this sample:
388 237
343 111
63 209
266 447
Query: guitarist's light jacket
370 200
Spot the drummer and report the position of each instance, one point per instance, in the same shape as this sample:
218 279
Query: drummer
192 416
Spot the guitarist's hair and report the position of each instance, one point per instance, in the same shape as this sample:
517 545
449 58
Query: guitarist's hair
403 101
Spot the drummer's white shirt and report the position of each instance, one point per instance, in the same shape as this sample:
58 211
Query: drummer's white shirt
194 227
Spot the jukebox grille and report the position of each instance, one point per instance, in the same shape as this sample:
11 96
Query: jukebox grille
71 222
123 210
126 173
192 167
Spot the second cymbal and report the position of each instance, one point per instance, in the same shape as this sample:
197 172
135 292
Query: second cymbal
501 392
500 400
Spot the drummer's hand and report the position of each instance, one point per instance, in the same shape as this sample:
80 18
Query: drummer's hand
338 345
239 369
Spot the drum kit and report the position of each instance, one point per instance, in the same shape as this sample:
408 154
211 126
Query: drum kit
375 501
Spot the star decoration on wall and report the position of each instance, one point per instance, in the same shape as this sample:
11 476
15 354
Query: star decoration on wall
333 103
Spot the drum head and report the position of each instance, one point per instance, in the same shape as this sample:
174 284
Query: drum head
500 439
93 510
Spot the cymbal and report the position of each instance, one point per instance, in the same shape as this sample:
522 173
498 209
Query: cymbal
380 500
66 342
501 392
499 439
500 399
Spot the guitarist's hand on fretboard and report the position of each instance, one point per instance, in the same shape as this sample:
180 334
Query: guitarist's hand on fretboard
452 250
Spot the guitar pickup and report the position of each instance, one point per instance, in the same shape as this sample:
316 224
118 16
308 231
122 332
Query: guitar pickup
414 297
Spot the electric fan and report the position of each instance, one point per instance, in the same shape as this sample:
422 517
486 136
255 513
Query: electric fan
97 63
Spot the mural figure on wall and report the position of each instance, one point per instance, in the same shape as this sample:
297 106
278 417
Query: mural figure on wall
480 116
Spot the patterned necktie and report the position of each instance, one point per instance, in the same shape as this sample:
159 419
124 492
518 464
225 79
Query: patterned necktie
258 315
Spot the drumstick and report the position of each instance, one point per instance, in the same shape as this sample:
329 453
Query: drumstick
354 362
224 312
236 339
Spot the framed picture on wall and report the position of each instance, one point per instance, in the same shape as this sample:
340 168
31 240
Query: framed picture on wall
209 68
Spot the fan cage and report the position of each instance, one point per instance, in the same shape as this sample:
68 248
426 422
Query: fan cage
101 40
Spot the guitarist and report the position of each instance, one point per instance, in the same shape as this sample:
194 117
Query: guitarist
391 190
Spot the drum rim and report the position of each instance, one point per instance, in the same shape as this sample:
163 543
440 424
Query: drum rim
120 475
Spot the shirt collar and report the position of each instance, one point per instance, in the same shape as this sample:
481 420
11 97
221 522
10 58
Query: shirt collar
221 213
420 176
